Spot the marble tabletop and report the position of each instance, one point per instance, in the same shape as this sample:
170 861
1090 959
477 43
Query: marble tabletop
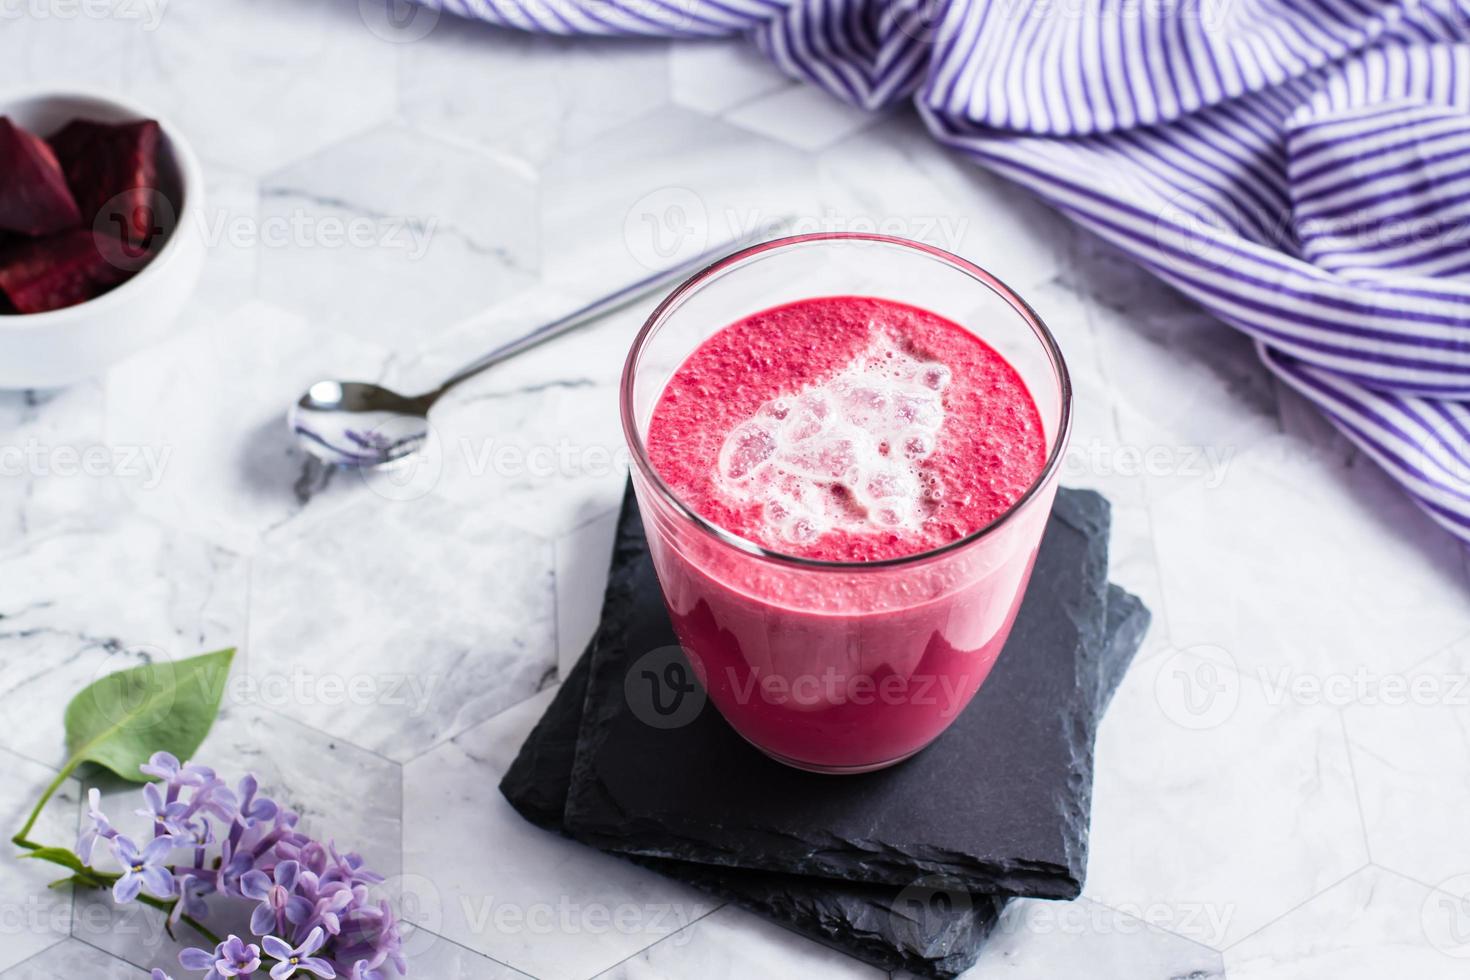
1282 780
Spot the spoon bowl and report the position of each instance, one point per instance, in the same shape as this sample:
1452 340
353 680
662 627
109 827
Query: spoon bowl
356 423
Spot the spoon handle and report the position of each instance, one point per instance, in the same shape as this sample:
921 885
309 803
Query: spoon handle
612 302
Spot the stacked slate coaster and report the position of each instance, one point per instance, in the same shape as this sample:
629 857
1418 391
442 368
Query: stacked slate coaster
908 867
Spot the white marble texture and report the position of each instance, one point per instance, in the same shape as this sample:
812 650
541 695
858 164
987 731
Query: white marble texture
260 84
732 944
582 557
392 207
1410 738
1373 924
540 903
427 656
1266 805
35 917
1217 808
1041 940
551 95
73 958
84 602
58 469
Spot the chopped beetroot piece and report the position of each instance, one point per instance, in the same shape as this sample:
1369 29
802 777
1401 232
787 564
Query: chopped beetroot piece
113 171
34 198
63 270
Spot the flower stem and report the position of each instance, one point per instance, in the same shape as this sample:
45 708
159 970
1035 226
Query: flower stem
20 838
187 920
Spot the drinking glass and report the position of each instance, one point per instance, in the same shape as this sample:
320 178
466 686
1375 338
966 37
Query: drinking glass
841 666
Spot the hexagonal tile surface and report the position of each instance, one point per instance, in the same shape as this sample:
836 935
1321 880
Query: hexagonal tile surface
57 470
71 958
83 49
543 904
82 603
529 95
730 943
801 116
393 235
547 456
1228 770
1038 940
210 405
204 70
717 77
874 181
398 624
1293 596
1185 383
342 793
582 559
429 955
36 916
1371 925
231 231
1411 753
661 190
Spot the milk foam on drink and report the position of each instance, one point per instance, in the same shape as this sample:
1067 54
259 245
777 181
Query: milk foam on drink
844 452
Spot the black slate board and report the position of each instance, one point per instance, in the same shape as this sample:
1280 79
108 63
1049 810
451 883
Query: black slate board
930 933
998 804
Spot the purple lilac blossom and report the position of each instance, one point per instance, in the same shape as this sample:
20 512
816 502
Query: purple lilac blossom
97 827
143 870
232 958
291 959
315 912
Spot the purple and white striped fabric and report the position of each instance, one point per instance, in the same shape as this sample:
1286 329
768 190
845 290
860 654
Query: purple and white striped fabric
1299 167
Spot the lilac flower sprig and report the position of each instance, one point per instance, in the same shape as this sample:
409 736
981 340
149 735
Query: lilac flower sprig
315 913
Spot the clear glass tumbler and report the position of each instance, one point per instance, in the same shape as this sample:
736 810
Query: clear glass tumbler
833 666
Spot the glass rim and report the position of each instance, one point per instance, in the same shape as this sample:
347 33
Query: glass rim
639 452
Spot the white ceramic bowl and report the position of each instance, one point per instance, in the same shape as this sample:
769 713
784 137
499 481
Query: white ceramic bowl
44 350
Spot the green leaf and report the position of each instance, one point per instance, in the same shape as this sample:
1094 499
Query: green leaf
119 720
58 855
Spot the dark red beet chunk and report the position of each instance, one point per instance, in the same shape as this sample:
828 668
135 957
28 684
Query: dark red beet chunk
113 171
34 198
63 270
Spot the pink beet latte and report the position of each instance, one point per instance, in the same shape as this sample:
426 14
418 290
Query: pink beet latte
848 433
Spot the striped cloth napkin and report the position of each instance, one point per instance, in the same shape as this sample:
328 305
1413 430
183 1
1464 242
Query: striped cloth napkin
1301 168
